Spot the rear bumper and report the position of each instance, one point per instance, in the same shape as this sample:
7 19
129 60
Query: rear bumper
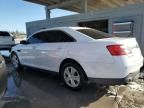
116 81
116 70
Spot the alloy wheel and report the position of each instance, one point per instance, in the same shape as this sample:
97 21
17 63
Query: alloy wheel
71 76
15 61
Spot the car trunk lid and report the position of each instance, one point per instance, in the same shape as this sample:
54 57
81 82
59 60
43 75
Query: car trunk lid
6 40
129 46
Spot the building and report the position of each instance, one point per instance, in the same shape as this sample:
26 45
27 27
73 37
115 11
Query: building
124 18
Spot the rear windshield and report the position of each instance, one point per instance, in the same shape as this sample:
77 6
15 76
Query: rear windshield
4 34
95 34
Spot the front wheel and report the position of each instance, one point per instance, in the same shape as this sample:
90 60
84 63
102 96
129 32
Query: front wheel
73 75
15 61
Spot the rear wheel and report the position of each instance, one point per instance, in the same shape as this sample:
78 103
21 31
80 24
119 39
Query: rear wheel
73 75
15 61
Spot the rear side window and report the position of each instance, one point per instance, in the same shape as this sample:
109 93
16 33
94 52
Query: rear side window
4 33
93 33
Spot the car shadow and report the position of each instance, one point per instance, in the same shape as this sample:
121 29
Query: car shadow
44 89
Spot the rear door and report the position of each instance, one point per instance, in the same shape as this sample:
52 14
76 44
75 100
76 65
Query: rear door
51 51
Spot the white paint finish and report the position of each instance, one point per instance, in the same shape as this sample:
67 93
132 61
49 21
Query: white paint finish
25 54
91 54
49 55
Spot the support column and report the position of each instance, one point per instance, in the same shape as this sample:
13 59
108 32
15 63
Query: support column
47 13
84 7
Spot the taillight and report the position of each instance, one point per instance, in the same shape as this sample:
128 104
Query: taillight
118 50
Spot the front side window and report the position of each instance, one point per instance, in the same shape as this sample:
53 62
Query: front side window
34 39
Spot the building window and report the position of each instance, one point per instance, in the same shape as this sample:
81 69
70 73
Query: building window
123 29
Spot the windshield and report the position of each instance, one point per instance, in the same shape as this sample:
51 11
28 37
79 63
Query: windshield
4 33
95 34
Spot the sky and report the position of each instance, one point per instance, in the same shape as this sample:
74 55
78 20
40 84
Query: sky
15 13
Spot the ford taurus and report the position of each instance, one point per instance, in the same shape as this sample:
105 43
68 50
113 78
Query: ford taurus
80 54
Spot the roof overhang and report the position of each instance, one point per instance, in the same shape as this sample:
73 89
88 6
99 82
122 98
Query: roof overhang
92 5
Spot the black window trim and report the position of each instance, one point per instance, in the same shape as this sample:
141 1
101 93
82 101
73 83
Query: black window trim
74 40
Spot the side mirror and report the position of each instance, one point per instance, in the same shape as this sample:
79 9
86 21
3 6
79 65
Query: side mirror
23 42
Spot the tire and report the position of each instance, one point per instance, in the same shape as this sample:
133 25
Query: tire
15 61
72 75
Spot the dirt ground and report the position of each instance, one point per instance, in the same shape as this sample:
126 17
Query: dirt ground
133 97
124 96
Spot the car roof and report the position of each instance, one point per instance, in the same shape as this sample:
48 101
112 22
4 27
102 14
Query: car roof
62 28
4 31
58 28
77 37
69 27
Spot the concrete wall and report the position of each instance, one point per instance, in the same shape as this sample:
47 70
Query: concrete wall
133 13
137 25
142 35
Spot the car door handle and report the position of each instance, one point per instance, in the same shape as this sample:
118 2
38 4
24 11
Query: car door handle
19 50
59 48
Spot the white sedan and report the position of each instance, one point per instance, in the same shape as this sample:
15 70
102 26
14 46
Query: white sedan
80 54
